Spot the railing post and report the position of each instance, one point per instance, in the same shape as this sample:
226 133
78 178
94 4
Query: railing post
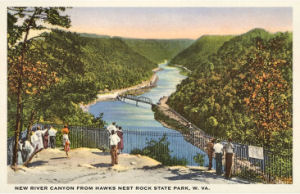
81 136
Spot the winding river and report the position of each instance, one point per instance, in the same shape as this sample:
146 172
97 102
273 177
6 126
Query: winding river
139 123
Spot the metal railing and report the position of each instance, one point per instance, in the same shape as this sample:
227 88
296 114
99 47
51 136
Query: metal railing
89 137
10 149
273 168
178 146
80 136
10 146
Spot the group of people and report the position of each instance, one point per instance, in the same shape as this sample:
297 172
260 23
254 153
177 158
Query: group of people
41 139
215 148
115 141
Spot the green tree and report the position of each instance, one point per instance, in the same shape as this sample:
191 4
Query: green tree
63 51
247 93
265 91
22 20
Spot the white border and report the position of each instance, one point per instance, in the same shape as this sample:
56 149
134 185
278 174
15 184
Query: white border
257 188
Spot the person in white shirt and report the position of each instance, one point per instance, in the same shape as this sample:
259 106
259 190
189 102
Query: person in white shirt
228 158
218 149
34 140
37 143
28 150
52 135
39 133
114 140
112 127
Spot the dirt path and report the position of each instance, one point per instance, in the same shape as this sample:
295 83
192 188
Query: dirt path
195 136
166 110
93 166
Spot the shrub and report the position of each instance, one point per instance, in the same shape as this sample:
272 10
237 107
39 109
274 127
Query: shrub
199 159
159 150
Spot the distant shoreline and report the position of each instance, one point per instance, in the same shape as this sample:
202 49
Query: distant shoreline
112 95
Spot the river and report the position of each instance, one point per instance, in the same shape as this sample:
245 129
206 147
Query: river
139 120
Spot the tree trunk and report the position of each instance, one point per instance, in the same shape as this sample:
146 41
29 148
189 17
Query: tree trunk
19 92
33 112
18 122
22 121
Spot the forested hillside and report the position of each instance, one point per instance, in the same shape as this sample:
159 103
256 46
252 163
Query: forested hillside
158 50
79 67
199 51
112 64
90 35
51 74
244 91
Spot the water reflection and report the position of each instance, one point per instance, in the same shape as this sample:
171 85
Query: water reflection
141 117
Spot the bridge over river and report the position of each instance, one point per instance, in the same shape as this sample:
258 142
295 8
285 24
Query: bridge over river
138 99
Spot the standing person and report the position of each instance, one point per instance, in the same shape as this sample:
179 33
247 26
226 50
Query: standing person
228 158
65 131
52 135
190 125
112 127
121 143
46 138
114 140
39 133
218 148
35 141
210 151
66 142
28 150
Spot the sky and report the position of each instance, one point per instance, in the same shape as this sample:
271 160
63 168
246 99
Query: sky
180 22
